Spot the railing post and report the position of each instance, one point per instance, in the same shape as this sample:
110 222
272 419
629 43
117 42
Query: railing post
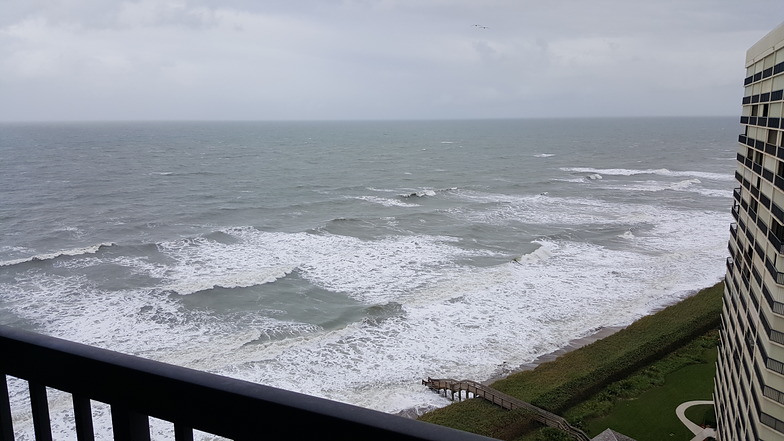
40 408
129 426
6 426
83 416
182 433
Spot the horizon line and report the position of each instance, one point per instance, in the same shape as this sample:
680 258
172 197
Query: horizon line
195 120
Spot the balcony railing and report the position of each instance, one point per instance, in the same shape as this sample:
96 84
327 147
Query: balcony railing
776 242
776 307
137 388
778 276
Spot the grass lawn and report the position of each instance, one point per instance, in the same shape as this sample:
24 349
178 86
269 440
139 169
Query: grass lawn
651 416
701 414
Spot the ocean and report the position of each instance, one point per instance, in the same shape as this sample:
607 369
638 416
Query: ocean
350 260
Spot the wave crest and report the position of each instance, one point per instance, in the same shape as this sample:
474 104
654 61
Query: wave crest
238 279
92 249
660 172
544 252
427 192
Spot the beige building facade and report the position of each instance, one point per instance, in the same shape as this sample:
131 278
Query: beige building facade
749 386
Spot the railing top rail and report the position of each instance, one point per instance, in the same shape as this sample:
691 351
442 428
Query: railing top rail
212 403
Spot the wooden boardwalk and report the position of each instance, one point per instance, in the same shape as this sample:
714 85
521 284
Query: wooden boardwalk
505 401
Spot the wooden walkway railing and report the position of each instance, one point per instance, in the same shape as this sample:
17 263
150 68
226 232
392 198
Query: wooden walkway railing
505 401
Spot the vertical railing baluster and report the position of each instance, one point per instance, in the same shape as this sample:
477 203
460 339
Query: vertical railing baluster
6 426
83 416
182 432
40 408
129 426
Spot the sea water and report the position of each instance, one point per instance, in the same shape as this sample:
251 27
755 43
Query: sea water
349 260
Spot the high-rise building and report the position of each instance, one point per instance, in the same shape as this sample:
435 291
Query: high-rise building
749 388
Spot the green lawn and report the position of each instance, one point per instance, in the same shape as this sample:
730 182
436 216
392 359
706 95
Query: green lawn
701 414
651 416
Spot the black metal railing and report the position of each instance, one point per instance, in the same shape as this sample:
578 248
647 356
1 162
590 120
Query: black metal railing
776 307
778 276
137 389
776 242
773 335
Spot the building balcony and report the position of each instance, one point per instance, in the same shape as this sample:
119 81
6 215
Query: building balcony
778 276
776 242
752 214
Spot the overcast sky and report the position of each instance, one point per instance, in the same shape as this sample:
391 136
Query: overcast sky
374 59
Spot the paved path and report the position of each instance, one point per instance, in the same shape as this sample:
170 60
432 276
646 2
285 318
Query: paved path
699 433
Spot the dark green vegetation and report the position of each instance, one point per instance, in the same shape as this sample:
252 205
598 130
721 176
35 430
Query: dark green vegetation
703 415
627 405
583 384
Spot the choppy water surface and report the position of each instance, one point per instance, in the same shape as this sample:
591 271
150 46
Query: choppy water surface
343 258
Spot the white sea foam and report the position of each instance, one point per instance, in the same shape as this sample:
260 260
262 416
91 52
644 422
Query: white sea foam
549 210
544 155
571 180
541 253
491 311
661 171
387 202
687 185
49 256
448 310
380 190
497 311
427 192
420 194
188 279
371 271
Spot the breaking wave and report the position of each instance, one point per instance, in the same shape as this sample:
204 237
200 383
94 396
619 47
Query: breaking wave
661 172
92 249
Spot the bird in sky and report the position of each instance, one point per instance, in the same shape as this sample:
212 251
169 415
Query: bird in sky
479 26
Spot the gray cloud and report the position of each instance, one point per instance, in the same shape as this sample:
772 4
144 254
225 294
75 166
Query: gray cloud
206 59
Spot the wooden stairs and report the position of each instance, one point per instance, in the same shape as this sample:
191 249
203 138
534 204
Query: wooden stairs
508 402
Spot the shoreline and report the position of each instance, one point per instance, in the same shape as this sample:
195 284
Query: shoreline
577 343
599 334
583 371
